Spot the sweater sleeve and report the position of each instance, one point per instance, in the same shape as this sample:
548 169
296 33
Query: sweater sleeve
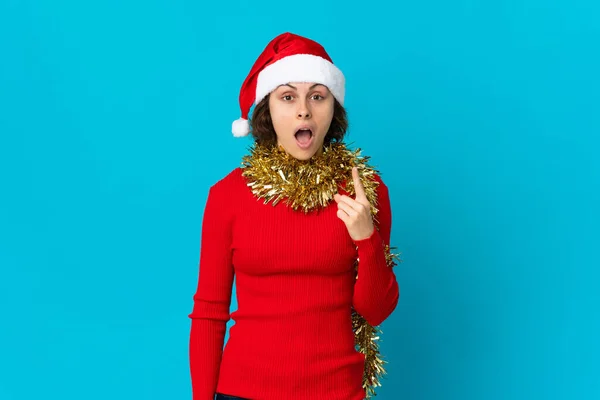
376 291
213 295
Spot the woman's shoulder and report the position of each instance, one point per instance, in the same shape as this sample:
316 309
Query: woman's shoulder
233 180
377 177
381 188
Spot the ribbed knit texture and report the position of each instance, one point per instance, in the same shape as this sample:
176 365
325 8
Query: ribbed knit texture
295 286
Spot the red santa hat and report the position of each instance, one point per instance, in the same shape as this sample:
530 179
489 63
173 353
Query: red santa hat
287 58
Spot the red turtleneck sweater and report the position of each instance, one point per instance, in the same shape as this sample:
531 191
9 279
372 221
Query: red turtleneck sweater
296 283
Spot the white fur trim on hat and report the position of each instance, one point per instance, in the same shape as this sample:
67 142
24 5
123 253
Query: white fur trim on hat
240 127
300 68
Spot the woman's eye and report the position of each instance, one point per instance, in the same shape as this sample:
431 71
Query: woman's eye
318 97
287 97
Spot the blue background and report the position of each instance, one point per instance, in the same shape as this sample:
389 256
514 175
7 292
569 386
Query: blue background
483 117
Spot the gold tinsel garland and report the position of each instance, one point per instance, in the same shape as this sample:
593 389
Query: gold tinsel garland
366 337
274 175
309 184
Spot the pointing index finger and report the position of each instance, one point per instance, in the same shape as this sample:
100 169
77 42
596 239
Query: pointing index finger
358 187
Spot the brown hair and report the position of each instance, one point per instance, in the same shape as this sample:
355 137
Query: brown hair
264 132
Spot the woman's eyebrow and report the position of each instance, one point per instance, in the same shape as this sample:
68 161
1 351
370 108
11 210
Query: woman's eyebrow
311 88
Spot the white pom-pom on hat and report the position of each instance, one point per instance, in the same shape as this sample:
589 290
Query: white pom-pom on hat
287 58
240 127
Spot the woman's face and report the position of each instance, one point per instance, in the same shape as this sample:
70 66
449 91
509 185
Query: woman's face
301 115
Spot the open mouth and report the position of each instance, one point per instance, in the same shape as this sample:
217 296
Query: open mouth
304 137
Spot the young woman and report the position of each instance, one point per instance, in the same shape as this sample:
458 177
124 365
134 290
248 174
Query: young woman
304 226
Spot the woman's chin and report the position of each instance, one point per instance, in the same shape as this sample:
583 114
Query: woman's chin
303 151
